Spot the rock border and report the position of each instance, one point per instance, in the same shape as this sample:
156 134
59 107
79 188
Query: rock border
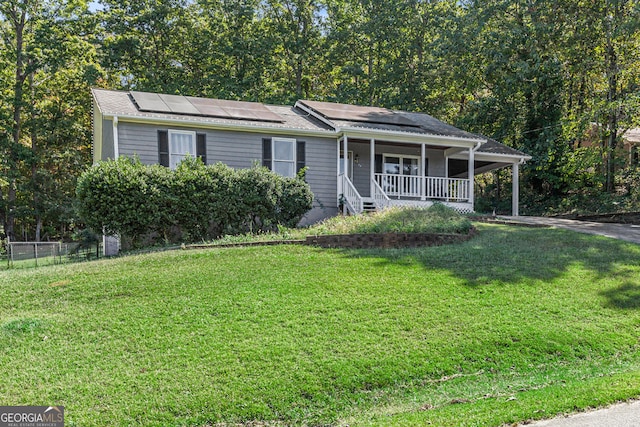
358 241
387 240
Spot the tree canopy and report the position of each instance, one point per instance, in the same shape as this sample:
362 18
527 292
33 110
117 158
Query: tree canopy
558 80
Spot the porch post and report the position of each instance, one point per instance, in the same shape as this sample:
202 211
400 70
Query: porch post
339 184
423 162
345 158
471 175
515 193
372 166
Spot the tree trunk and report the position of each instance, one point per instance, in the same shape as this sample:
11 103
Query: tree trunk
19 23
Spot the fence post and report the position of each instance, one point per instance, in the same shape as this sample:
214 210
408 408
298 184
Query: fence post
35 252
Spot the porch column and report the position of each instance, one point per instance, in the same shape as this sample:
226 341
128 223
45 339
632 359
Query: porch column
339 184
515 193
471 175
345 158
372 166
423 161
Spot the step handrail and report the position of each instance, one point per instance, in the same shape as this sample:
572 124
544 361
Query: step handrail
352 199
380 198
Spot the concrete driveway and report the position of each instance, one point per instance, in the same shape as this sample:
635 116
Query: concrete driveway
619 415
628 232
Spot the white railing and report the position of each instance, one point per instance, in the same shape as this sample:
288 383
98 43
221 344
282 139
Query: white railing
380 198
352 198
434 187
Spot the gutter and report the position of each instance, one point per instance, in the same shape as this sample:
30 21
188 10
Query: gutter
219 126
410 138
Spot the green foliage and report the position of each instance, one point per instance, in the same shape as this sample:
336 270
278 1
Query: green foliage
194 202
437 218
296 199
491 332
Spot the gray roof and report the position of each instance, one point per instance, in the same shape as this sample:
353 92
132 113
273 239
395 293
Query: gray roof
494 147
375 118
112 103
335 116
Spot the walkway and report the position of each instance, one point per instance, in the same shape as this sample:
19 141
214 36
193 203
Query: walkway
628 232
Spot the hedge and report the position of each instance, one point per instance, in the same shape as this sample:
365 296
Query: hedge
192 203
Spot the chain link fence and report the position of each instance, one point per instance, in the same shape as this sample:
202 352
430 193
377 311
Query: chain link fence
35 254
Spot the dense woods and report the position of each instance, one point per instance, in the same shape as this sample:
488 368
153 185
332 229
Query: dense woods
556 79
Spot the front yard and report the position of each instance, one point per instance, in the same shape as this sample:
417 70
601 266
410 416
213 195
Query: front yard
517 323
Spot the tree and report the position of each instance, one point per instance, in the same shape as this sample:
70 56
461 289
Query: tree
46 53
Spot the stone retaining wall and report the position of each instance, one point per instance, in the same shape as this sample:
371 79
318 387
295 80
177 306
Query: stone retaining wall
387 240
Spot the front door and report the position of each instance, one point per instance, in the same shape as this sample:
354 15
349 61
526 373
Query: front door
349 164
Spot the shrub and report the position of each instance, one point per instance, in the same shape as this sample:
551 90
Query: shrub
296 199
116 196
194 202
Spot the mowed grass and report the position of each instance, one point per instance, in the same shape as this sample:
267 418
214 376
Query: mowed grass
517 323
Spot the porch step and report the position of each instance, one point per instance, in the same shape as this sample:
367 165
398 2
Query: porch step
368 206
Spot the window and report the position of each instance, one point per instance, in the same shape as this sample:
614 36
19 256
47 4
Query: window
401 165
175 145
182 144
284 156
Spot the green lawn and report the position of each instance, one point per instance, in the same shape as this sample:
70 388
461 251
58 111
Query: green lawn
517 323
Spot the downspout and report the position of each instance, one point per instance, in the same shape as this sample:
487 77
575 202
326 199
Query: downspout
116 149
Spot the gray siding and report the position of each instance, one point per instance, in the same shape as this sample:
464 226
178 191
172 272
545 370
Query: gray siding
107 140
243 150
362 169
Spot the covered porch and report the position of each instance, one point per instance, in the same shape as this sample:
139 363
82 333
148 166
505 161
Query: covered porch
377 173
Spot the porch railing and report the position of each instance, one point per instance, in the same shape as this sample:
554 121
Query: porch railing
428 187
352 198
379 197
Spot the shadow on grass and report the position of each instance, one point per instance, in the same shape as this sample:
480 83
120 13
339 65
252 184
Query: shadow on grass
626 296
517 255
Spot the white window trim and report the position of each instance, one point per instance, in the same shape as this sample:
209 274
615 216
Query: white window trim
295 153
402 157
194 141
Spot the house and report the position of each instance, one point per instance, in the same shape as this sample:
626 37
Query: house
357 157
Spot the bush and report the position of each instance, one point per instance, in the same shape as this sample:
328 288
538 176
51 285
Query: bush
194 202
296 199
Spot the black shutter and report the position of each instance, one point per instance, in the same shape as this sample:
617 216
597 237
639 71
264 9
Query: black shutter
300 155
163 147
426 167
201 147
266 152
378 163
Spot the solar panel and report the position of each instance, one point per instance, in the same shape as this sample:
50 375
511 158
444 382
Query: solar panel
207 107
179 104
188 105
149 102
358 113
